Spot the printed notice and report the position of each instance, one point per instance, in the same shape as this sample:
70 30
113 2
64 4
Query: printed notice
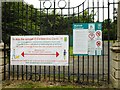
80 45
91 39
40 50
87 38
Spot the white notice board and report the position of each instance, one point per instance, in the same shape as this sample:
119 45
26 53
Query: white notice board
87 38
40 50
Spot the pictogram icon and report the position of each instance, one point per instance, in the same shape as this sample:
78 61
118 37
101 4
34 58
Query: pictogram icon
98 43
91 36
98 33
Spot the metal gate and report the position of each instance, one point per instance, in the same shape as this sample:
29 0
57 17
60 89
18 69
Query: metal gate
56 18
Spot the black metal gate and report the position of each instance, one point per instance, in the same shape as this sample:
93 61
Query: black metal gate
57 19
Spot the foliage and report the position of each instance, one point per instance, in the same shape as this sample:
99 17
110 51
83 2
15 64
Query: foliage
22 19
110 29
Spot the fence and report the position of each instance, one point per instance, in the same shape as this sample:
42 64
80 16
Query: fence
54 19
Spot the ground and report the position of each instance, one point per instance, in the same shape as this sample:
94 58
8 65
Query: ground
51 84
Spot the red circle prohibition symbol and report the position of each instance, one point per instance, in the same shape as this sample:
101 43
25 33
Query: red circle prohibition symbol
98 33
98 43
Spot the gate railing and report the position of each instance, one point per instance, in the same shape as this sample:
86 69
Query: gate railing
23 19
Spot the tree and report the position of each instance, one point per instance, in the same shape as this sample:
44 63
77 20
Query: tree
21 19
113 28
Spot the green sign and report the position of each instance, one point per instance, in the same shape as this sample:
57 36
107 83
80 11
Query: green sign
87 38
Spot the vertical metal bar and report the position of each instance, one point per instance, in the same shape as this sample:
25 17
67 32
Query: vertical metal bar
98 9
88 11
78 70
103 46
44 72
47 27
26 72
0 22
73 68
54 33
83 68
45 66
9 49
22 29
73 55
88 70
108 42
59 66
5 41
83 11
35 30
78 15
30 33
88 56
93 10
27 32
18 65
54 73
93 70
49 73
98 69
114 20
93 56
83 56
63 73
39 73
35 72
49 66
58 73
78 56
98 56
12 27
39 34
69 42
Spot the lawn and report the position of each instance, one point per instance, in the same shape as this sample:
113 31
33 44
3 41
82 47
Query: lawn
51 84
71 50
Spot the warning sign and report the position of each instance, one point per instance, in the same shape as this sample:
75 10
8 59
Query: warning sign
98 43
40 50
87 38
98 47
91 36
98 34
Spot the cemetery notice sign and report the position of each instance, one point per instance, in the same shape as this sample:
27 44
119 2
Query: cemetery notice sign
40 50
87 38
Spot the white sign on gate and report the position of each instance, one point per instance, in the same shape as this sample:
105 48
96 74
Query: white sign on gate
40 50
87 38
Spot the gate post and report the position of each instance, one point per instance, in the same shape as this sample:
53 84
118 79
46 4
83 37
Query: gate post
115 63
0 44
1 63
0 21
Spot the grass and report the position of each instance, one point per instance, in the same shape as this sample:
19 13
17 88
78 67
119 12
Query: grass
71 50
46 84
